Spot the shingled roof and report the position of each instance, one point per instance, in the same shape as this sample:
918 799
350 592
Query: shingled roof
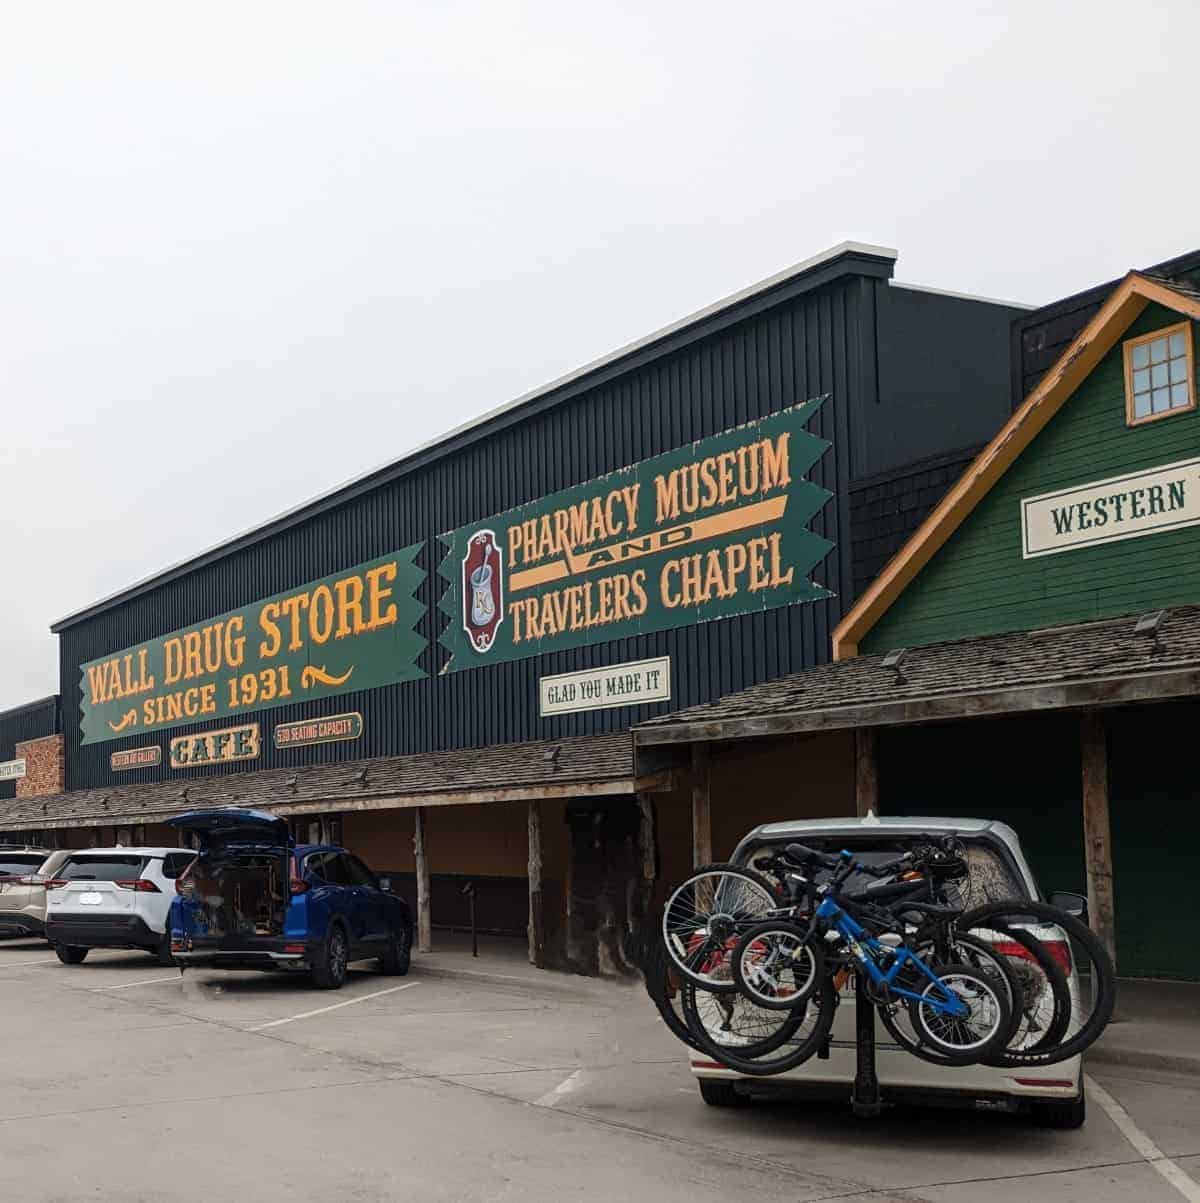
1090 664
597 764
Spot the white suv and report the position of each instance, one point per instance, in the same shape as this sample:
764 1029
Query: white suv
113 898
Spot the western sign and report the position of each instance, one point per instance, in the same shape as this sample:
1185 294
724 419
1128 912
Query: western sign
713 529
1106 511
353 630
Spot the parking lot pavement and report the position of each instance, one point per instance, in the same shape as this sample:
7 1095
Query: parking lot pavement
123 1080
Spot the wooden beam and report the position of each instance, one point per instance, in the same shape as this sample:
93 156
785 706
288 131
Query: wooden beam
646 839
1097 836
701 805
537 918
1073 695
424 916
866 771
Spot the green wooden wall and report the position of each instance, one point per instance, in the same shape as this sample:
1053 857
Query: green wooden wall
978 583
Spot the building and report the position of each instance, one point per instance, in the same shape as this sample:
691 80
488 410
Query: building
31 752
1032 653
440 662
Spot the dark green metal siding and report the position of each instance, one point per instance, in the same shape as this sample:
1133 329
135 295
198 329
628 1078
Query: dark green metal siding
978 584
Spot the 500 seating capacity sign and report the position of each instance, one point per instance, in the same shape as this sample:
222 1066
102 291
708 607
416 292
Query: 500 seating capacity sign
716 528
353 630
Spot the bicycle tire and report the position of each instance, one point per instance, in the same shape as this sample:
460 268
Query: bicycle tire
995 988
664 994
777 1027
745 981
1103 975
911 1042
793 1051
705 916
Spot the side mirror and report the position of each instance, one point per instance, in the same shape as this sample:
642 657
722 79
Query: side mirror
1075 905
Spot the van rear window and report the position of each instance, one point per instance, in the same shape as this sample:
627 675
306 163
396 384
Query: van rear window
101 868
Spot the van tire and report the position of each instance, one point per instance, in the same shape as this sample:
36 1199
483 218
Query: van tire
1059 1113
398 955
70 955
330 964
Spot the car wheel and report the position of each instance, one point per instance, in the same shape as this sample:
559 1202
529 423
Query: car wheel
330 965
721 1094
163 951
70 956
398 954
1059 1113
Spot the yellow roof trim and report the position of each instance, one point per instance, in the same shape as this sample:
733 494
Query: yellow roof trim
1097 338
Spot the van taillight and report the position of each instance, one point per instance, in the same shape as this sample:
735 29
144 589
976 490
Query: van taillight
35 880
298 886
55 883
1060 950
141 885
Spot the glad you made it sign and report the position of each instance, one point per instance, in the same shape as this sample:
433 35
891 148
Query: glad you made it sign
353 630
713 529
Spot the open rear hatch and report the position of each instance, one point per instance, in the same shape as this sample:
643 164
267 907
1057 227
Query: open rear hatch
238 887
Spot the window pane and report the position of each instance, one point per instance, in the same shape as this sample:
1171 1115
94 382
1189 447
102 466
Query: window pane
1158 375
1141 381
1178 370
1162 400
1177 344
1158 350
1179 396
1141 405
102 868
1140 356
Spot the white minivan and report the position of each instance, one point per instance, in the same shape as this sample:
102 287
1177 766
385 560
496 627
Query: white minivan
113 898
1052 1095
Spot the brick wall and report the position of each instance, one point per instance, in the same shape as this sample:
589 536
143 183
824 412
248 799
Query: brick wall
45 765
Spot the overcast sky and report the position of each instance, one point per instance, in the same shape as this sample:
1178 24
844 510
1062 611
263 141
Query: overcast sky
241 242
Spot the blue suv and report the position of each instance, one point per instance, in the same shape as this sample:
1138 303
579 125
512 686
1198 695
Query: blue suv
254 899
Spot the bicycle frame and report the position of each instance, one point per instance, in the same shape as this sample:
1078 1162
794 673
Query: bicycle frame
866 948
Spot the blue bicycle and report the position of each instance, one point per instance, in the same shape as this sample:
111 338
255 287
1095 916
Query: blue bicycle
960 1010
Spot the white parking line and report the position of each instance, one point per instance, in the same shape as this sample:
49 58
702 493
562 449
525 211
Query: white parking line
1149 1151
561 1091
146 981
15 964
350 1002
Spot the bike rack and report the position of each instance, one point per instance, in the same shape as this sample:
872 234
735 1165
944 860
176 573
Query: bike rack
865 1100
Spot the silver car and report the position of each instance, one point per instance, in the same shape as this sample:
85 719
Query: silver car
1052 1095
23 872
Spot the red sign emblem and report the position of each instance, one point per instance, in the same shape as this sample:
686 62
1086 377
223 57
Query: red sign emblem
482 590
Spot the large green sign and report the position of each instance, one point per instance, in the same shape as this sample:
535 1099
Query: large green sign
716 528
353 630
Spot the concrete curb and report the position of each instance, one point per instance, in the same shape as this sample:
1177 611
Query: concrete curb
1128 1058
571 986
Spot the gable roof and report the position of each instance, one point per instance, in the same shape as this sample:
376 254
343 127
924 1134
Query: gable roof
1124 305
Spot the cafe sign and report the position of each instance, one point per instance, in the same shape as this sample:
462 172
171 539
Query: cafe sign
1106 511
12 770
632 684
349 631
713 529
215 747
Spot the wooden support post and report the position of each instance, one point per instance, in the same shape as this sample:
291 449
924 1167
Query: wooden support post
701 806
866 771
646 838
537 918
424 918
1097 837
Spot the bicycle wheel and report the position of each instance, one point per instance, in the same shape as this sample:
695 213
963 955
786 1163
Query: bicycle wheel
1075 943
663 987
705 917
807 1029
777 965
733 1024
980 1028
896 1015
